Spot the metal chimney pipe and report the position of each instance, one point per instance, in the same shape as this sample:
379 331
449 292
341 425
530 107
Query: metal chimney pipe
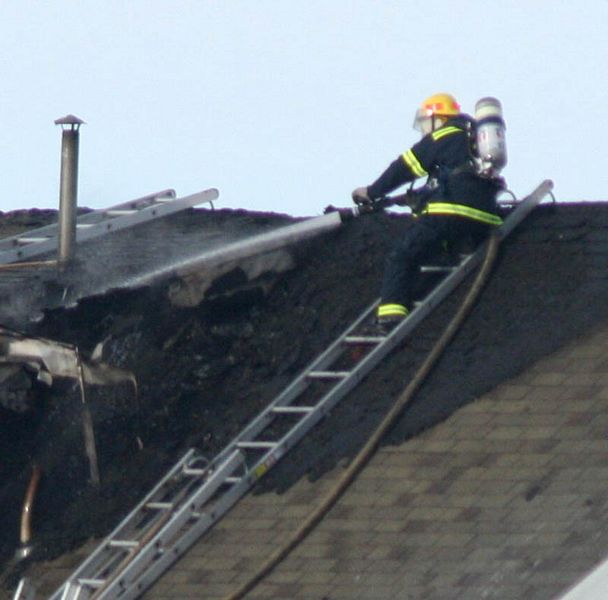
68 191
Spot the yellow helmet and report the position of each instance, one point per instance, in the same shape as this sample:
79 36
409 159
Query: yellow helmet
437 105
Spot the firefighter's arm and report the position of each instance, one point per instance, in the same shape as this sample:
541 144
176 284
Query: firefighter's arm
406 168
395 175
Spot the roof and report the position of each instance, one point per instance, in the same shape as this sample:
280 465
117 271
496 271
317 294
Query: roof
521 350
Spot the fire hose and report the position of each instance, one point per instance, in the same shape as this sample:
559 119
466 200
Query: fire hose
25 536
371 446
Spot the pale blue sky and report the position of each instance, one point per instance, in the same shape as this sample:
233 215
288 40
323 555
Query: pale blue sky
286 105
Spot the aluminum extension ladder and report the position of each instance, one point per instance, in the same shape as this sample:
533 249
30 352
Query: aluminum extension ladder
195 493
99 222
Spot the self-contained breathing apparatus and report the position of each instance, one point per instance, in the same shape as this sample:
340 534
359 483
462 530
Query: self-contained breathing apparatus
490 149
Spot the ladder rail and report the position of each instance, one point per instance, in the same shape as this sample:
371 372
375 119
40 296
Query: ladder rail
25 590
187 523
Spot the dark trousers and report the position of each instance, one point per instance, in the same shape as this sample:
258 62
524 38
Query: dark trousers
427 238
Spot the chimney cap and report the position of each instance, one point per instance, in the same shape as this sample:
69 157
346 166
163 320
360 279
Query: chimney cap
70 120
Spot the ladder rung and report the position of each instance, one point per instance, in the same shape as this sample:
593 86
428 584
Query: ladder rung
120 213
328 374
159 505
256 445
123 544
32 240
364 339
92 583
194 472
437 269
233 480
292 409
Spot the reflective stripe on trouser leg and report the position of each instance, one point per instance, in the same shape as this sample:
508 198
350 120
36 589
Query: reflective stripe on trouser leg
386 311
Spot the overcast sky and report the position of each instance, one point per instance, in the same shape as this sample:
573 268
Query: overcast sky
286 105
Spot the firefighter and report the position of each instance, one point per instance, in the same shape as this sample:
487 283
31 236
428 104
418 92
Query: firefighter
456 202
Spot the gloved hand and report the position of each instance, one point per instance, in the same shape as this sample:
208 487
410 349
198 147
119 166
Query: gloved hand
360 196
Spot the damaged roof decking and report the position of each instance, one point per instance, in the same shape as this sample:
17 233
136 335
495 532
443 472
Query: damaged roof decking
124 259
549 286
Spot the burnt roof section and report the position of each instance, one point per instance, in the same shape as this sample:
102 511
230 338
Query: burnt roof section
120 259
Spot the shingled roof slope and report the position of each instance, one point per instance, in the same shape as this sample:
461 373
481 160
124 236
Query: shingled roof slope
506 498
547 290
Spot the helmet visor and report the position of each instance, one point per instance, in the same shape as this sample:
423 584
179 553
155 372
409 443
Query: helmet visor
423 121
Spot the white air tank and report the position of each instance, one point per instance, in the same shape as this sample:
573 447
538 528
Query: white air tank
491 144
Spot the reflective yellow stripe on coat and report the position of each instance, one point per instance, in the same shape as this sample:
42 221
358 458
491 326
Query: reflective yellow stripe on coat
460 210
411 160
